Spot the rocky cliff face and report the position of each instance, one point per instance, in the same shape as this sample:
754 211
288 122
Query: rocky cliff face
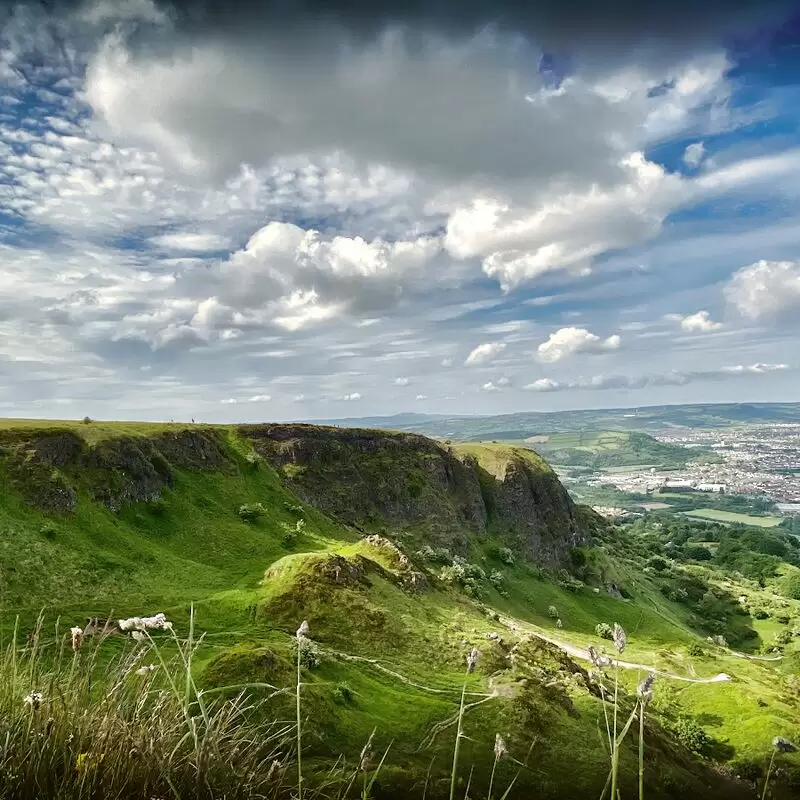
404 482
377 481
48 469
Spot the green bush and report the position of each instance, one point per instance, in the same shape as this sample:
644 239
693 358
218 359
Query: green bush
657 563
250 512
48 530
789 585
604 631
691 735
695 650
760 613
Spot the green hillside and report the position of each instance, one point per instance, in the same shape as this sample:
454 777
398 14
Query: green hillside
402 554
603 449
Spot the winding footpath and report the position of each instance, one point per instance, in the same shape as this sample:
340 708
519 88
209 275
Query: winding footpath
582 654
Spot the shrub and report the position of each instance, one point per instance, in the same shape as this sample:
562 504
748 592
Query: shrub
506 555
87 420
783 637
253 460
497 579
691 735
790 585
604 631
251 511
783 619
695 650
48 530
760 613
435 555
657 563
552 611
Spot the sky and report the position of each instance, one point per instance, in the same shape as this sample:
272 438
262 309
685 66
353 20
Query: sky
228 211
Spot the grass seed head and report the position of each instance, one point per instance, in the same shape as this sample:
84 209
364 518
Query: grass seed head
34 700
77 638
645 688
620 638
500 749
303 630
472 659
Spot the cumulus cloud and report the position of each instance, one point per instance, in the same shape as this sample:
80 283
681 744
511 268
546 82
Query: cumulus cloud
766 291
421 397
567 342
694 154
402 381
259 398
352 396
484 353
700 322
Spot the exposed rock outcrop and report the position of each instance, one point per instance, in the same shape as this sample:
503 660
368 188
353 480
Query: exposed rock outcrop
405 483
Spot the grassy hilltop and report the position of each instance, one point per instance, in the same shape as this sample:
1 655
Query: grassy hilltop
402 554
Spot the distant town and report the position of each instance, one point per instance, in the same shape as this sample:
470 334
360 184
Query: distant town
754 460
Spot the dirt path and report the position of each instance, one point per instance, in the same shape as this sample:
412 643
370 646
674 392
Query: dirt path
582 654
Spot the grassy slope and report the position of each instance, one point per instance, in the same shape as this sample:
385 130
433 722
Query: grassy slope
195 548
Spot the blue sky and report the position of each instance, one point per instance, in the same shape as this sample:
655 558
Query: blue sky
211 224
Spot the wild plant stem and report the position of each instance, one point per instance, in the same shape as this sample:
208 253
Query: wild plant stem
769 772
491 779
299 731
458 743
641 750
615 750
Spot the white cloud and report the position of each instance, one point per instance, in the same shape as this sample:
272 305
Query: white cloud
484 353
421 397
766 290
544 385
231 401
402 381
673 378
352 396
497 386
567 230
447 362
700 322
567 342
694 154
259 398
192 242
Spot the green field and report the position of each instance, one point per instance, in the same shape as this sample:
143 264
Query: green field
731 516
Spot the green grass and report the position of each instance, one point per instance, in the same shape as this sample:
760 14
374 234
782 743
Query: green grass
730 516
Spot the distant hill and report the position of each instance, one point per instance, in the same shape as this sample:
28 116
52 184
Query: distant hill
531 423
599 449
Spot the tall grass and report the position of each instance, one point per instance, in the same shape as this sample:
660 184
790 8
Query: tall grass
123 719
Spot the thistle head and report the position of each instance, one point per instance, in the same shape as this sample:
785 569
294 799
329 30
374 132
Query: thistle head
784 745
645 688
34 700
620 638
500 749
472 659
